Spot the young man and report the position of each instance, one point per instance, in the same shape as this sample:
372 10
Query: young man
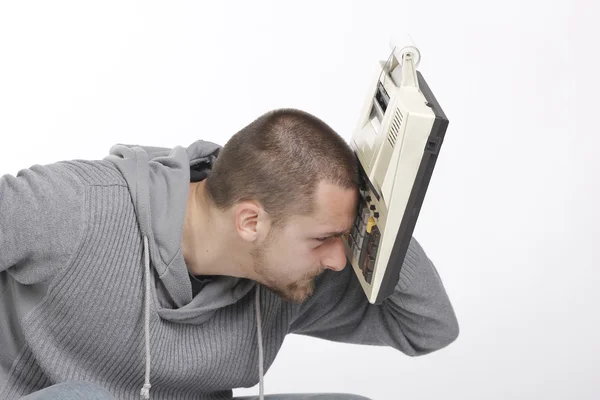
180 271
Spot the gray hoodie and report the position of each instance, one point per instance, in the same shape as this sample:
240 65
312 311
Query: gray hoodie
93 286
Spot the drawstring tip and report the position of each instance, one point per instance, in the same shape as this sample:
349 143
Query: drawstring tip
145 392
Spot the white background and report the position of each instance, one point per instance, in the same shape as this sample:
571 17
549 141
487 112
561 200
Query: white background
511 218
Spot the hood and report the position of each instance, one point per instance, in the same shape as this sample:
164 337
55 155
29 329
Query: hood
159 181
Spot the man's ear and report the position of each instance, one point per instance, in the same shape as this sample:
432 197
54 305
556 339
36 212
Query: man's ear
251 221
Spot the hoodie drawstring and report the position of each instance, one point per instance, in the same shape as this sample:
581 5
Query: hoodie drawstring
260 343
145 392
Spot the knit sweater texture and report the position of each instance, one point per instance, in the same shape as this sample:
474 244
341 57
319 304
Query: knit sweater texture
94 287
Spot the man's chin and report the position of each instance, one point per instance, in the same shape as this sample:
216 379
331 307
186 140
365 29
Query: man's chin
296 293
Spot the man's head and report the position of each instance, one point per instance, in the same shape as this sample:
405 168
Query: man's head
290 184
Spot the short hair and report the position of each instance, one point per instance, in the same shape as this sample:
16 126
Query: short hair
278 160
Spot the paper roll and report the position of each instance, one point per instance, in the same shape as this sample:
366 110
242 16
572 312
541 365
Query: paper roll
402 45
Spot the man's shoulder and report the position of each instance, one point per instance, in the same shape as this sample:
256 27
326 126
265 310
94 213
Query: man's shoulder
94 172
331 286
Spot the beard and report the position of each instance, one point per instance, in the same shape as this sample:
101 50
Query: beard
296 292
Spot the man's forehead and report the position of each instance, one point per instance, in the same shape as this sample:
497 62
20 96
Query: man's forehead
334 213
336 207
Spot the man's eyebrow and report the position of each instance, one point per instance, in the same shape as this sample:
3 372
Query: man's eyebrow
336 233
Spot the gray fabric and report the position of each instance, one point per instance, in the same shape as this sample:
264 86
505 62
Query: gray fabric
89 247
71 391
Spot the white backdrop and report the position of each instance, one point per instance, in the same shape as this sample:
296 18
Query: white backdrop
511 218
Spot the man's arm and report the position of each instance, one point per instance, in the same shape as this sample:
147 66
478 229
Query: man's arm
41 221
416 319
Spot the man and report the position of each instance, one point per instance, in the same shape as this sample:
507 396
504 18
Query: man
180 271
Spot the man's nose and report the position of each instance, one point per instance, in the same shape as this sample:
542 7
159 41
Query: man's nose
335 257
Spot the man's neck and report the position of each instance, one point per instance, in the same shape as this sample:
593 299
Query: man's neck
207 244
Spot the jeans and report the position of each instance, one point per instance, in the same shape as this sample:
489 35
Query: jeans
307 396
77 390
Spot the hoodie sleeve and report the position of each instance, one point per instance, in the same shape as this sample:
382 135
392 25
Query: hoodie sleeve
40 221
416 319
